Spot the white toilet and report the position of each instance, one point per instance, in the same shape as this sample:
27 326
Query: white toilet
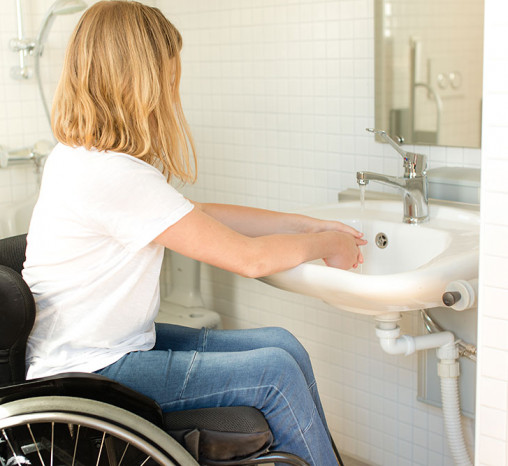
181 301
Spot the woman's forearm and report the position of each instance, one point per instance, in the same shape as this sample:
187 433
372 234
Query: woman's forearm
251 221
254 222
274 253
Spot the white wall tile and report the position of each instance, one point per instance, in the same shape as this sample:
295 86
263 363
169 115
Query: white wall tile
494 299
492 423
493 451
493 363
493 352
494 393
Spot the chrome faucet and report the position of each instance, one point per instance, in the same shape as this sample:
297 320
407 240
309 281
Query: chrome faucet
413 183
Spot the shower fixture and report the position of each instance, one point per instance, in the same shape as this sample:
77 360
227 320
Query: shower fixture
35 47
22 46
60 7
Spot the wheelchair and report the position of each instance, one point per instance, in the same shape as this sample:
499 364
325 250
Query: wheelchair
86 419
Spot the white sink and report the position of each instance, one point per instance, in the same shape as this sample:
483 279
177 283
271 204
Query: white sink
15 217
410 273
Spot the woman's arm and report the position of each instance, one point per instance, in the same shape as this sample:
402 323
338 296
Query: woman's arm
202 237
251 221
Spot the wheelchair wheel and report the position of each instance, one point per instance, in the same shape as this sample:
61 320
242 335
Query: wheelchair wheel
58 430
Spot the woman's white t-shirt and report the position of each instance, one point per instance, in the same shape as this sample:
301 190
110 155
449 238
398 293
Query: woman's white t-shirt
91 263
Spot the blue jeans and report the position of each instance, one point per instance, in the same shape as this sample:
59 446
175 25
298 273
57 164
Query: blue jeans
266 368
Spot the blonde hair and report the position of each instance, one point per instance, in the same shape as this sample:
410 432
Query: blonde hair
119 89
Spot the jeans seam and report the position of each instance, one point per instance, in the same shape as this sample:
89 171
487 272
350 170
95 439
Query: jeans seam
186 381
309 425
204 340
302 432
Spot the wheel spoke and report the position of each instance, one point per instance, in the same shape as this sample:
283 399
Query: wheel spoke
100 449
10 447
144 462
75 446
35 445
52 443
123 455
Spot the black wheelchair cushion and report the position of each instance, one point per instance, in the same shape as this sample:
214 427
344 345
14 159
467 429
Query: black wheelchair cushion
220 435
17 315
12 252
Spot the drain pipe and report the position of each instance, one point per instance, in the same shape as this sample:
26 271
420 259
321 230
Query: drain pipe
392 342
448 371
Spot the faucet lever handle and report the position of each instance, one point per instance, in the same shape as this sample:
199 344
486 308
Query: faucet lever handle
414 163
384 135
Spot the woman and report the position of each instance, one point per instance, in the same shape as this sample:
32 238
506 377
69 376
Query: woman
105 214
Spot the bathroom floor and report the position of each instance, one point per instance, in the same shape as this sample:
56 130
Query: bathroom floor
352 462
348 461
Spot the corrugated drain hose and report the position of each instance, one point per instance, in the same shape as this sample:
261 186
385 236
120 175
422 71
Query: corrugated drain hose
448 371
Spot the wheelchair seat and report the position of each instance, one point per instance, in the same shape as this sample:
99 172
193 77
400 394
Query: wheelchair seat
210 436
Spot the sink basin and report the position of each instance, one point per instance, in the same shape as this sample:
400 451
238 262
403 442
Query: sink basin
15 217
406 267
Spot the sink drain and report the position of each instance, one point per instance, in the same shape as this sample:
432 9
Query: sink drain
381 240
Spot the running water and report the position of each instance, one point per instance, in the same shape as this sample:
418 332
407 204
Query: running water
362 198
362 212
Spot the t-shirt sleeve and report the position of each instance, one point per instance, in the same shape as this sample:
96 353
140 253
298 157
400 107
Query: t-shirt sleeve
135 202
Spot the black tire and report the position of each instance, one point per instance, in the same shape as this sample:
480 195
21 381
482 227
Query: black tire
59 430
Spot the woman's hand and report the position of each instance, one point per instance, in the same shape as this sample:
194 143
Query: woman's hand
315 225
348 254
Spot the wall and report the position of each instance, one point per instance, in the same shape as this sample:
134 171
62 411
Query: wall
492 408
22 120
278 93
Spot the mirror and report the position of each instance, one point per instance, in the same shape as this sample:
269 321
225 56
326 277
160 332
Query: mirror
428 70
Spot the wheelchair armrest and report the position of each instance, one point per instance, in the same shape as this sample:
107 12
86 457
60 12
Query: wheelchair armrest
89 386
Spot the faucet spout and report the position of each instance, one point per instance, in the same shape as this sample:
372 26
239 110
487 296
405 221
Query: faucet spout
414 193
413 184
363 178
